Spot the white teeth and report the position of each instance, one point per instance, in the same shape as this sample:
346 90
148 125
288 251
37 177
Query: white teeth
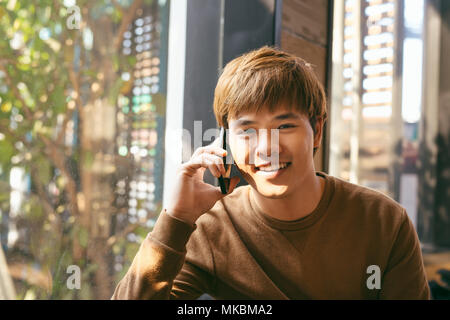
274 168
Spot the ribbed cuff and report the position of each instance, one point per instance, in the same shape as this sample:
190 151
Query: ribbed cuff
172 232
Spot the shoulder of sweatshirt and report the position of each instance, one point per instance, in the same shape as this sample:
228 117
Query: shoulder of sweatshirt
370 205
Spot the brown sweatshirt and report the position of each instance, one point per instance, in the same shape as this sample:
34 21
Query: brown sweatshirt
237 252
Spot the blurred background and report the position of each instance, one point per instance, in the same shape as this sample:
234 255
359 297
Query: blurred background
94 94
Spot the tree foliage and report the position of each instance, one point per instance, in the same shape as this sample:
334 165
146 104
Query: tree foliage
49 76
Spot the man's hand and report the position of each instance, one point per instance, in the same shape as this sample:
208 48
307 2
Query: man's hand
191 196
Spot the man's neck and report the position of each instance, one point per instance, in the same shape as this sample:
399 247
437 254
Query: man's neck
296 205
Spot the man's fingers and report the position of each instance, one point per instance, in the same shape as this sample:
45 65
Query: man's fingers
216 150
217 142
206 160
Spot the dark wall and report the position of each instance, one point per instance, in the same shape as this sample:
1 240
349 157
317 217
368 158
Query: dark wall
202 62
442 195
248 25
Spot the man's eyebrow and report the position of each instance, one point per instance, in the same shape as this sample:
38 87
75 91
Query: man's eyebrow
244 122
289 115
284 116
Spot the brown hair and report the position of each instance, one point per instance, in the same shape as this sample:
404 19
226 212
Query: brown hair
265 78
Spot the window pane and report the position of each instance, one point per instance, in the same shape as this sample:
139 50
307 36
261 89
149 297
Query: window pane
375 116
82 115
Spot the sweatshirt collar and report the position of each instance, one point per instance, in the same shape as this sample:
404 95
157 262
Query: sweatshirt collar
303 222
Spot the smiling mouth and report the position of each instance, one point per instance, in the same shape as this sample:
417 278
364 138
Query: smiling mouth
273 168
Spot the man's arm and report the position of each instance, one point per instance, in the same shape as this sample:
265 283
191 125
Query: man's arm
405 276
159 270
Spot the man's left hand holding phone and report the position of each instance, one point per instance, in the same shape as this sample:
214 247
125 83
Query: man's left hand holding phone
191 196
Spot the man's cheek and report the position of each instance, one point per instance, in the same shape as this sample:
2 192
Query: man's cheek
241 158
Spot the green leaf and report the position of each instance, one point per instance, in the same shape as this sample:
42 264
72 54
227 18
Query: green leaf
7 150
44 171
58 100
83 237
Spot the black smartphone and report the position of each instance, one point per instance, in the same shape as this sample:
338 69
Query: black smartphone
224 180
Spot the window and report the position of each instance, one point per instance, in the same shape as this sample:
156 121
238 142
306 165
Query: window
82 120
377 96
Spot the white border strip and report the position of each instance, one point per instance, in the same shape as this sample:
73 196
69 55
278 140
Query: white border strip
175 93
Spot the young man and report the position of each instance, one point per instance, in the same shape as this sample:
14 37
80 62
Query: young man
292 233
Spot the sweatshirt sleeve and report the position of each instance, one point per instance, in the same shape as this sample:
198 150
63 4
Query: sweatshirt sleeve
159 270
405 276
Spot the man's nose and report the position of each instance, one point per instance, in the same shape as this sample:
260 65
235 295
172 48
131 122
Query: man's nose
268 143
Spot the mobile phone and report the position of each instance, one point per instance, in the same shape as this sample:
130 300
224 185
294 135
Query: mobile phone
224 180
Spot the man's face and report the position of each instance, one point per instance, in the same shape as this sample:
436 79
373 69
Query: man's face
274 150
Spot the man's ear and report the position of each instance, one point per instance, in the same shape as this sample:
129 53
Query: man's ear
318 132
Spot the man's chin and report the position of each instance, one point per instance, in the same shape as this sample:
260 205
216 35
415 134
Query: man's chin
271 191
266 188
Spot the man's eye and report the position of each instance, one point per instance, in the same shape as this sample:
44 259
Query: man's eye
286 126
249 131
